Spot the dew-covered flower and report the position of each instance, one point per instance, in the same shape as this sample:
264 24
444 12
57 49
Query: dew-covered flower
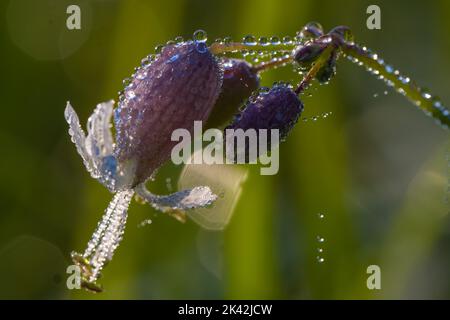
179 87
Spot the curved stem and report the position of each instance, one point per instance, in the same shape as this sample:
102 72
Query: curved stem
432 106
217 47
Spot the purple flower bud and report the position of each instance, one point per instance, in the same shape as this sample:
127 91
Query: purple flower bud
328 71
277 108
239 81
178 88
343 32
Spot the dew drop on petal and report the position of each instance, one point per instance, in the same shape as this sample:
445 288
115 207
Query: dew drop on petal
200 36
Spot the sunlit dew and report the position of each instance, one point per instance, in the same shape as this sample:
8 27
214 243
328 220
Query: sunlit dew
179 39
141 75
310 30
126 81
287 40
249 40
145 223
200 36
275 40
227 40
159 48
130 94
320 259
320 239
389 69
320 215
422 98
426 95
263 41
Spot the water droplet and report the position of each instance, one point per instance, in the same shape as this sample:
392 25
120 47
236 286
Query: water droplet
320 239
263 41
389 68
126 81
348 35
321 215
249 40
201 47
227 41
179 39
275 40
200 36
141 75
264 90
174 58
287 40
130 94
311 30
319 250
159 48
320 259
145 223
426 95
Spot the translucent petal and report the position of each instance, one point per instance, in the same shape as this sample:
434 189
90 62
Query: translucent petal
99 144
79 139
96 149
99 137
225 181
200 196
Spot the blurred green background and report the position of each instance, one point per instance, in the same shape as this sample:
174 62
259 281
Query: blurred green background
376 168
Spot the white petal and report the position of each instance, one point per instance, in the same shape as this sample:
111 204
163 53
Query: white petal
79 138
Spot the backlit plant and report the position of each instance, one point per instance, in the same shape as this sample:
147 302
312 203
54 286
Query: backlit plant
187 81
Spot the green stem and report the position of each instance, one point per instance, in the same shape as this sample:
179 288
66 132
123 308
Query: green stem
272 64
320 62
432 106
218 47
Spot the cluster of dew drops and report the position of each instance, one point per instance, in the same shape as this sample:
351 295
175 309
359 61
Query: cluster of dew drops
394 79
267 50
